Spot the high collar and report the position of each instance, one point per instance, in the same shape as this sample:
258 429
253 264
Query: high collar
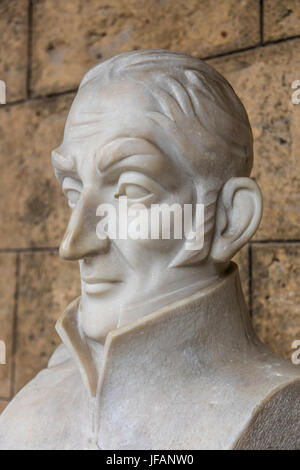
222 323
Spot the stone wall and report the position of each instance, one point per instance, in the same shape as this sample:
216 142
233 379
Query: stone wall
46 46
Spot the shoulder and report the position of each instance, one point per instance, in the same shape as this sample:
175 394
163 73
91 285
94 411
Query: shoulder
60 355
39 413
274 420
275 423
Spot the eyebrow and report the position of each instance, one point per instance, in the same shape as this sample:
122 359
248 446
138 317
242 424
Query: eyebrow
122 148
62 165
61 162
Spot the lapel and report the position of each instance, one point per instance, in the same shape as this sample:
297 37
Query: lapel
69 329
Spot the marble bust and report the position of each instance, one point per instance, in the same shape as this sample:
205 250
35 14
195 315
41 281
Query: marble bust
159 350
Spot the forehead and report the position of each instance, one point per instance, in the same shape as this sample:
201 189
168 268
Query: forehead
100 104
108 124
102 113
122 112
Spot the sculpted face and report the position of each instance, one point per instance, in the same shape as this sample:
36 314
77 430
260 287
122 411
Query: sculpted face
108 161
112 148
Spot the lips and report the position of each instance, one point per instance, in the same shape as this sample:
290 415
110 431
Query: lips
95 286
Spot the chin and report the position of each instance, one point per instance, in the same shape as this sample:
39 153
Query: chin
98 320
97 333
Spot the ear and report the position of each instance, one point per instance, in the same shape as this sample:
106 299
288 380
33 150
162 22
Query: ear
239 211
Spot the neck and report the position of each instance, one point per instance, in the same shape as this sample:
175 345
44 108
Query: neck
189 285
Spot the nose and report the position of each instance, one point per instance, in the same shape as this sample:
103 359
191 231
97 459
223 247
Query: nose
80 239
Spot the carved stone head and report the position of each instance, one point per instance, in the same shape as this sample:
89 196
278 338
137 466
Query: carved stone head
160 128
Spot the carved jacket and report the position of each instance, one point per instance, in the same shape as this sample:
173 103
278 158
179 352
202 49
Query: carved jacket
191 375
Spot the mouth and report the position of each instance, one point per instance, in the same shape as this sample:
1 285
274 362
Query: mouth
94 286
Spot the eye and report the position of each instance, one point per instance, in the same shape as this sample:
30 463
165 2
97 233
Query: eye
133 191
72 196
72 190
136 187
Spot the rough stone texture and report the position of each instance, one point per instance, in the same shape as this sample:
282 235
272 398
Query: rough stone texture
33 208
68 40
3 404
276 295
7 291
281 19
262 78
242 260
47 286
13 47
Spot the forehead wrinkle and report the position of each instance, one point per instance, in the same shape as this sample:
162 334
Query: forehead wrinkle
87 123
121 148
82 130
83 123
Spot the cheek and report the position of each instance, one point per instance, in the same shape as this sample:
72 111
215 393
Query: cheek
155 224
154 234
145 256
